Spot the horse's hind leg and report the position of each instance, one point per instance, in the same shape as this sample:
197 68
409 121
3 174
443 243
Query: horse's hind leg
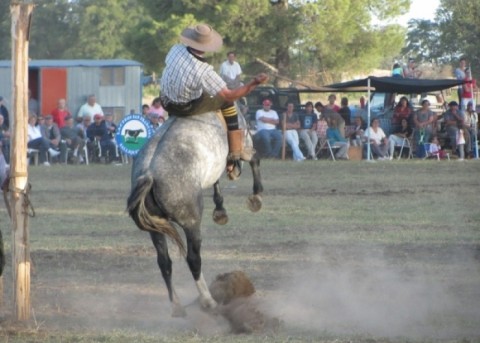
219 213
165 265
255 200
194 261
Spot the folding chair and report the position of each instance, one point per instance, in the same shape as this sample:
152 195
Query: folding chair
406 144
324 145
429 154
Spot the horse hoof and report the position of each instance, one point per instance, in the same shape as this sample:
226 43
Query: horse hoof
178 312
254 202
208 304
220 217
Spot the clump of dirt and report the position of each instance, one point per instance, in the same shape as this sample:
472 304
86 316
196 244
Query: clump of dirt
235 294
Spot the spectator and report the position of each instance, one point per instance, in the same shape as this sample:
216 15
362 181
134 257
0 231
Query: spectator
84 124
145 110
377 139
51 132
97 132
396 139
454 119
157 107
411 71
292 124
5 139
4 113
308 130
111 126
230 71
331 104
269 137
423 120
471 124
460 75
74 138
33 105
362 102
327 113
60 113
403 110
460 142
322 125
468 87
358 131
90 108
37 141
156 120
335 139
345 111
397 71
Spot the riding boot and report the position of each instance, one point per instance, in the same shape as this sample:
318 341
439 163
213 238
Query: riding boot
236 145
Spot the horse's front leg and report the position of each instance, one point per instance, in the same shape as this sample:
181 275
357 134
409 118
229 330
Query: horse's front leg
219 215
165 265
255 200
194 261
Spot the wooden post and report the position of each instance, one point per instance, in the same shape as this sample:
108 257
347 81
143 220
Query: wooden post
21 16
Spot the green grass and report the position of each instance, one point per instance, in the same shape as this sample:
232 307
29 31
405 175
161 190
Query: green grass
95 278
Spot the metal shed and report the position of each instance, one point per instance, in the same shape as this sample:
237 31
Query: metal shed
116 83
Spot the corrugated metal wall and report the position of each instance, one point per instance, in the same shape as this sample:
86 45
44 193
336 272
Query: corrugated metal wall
6 86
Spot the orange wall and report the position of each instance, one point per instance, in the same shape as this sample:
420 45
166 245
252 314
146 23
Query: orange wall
54 87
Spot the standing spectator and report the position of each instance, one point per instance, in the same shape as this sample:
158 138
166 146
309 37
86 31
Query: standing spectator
90 108
454 121
5 139
292 124
157 107
60 113
230 71
411 71
33 105
467 91
51 132
423 120
4 113
268 135
308 130
362 102
345 111
471 124
98 132
37 141
378 140
331 103
460 75
74 138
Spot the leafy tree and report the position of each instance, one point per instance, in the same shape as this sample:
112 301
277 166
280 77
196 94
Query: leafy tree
423 40
5 26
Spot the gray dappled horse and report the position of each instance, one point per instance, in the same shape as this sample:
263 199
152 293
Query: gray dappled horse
184 157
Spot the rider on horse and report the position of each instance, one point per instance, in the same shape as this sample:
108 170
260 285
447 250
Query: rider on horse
189 85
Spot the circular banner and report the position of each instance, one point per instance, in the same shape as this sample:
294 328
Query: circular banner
132 133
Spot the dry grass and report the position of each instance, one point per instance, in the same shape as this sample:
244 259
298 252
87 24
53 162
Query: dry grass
340 252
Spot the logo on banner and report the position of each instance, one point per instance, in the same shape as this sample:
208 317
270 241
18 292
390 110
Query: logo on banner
132 133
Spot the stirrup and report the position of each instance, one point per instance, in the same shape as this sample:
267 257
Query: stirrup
233 169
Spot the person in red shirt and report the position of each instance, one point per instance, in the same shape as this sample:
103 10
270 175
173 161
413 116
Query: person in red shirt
468 88
60 113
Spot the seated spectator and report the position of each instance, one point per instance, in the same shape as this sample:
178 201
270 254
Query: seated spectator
397 137
4 173
156 120
397 71
98 132
327 113
435 150
35 140
5 139
454 119
51 132
268 135
157 107
322 124
359 129
111 126
335 139
331 103
423 120
60 113
4 113
403 110
377 139
345 111
145 110
84 124
74 138
292 124
308 130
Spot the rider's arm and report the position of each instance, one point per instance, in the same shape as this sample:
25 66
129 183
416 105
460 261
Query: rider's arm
234 94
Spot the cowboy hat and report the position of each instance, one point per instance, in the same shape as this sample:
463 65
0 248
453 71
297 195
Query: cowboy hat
202 37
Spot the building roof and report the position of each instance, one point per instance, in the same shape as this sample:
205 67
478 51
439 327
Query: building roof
75 63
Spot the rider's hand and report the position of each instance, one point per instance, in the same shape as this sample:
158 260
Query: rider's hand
261 78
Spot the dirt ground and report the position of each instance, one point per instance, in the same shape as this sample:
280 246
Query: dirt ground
339 282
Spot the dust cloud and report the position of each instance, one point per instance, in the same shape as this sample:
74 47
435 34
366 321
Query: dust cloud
375 295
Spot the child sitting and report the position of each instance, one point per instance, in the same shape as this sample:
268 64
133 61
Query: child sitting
435 150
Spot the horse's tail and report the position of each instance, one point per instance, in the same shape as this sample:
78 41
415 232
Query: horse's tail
141 216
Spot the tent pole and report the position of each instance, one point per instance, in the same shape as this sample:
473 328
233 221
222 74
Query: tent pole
368 119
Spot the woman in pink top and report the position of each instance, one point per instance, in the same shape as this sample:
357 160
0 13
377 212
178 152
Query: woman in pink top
157 108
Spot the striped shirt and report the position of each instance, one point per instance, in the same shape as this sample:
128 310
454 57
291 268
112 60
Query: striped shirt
187 76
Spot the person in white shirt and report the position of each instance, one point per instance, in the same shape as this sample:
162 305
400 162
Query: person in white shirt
37 141
378 140
90 108
268 134
230 71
